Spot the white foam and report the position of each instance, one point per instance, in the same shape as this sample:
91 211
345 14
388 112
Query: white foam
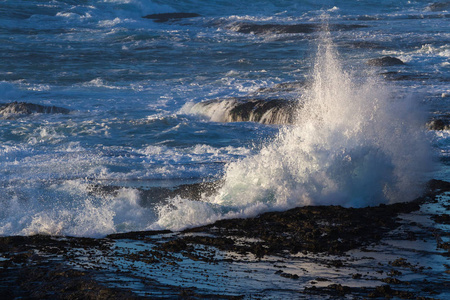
100 83
354 144
427 53
67 208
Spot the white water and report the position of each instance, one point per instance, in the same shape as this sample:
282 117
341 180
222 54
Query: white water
354 144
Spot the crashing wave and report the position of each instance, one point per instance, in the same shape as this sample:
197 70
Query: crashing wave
350 145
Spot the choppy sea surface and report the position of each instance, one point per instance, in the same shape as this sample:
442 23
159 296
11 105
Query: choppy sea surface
130 82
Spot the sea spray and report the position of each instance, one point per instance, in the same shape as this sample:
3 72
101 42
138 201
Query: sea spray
69 208
353 144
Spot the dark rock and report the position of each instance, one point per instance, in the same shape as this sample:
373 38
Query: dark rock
442 219
341 290
63 283
274 28
322 279
266 111
392 280
402 75
194 191
160 18
276 104
382 291
400 262
443 245
439 6
334 290
385 291
44 276
385 61
394 273
438 186
329 229
149 196
287 28
289 275
438 124
24 108
335 263
188 293
177 245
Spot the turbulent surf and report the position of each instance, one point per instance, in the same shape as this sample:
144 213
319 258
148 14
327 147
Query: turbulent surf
350 145
127 115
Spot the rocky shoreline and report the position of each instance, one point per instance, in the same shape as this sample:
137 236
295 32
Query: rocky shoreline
388 251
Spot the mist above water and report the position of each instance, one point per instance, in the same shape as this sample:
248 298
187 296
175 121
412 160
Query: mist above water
355 143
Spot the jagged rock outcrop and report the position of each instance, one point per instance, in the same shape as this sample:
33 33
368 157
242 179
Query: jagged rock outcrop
266 111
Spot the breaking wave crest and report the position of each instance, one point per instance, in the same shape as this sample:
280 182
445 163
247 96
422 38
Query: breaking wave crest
354 143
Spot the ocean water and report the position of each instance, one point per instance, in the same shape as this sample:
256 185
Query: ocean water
130 82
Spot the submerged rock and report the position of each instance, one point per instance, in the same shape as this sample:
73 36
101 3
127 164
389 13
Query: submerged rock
165 17
439 6
287 28
274 28
438 124
385 61
402 75
150 196
24 108
265 111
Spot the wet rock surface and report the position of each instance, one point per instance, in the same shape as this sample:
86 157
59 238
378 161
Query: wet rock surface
330 229
403 75
439 6
385 61
288 28
319 252
24 108
151 195
439 124
166 17
253 109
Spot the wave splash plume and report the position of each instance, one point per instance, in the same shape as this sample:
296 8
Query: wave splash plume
353 144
